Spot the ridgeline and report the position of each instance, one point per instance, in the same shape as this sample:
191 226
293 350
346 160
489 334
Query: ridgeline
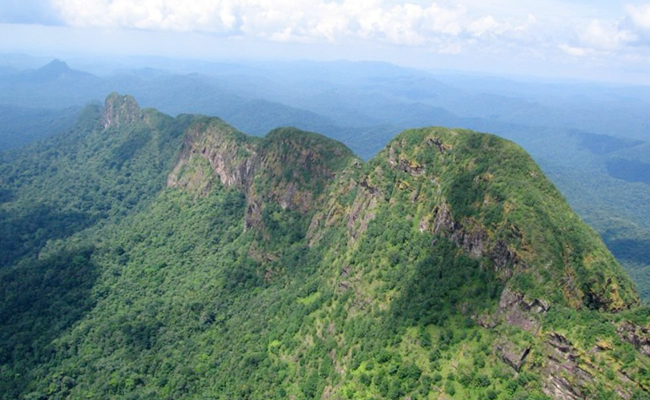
150 257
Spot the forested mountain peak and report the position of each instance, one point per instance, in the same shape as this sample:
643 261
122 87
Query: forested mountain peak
494 201
280 267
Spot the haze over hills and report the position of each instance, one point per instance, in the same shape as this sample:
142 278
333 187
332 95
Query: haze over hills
160 257
589 138
284 214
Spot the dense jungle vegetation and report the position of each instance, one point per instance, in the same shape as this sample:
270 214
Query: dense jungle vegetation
149 257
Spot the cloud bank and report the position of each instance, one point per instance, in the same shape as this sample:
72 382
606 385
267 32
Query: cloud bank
511 34
404 23
627 34
28 12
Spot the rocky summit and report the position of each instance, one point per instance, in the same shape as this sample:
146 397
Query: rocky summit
153 257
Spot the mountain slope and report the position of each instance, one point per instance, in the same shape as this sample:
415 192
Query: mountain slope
365 105
19 125
285 267
112 161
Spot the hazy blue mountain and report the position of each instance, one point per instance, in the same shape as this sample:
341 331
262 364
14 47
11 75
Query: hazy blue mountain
54 85
21 125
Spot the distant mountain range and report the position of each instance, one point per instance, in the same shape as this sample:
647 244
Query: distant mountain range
590 139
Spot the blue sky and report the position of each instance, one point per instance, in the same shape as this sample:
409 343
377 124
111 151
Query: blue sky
597 39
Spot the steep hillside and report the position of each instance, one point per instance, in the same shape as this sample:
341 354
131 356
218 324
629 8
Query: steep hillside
603 175
447 266
115 159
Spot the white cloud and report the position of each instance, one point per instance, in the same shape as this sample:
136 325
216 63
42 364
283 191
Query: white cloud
484 25
623 36
639 15
575 51
149 14
637 23
604 36
27 12
400 23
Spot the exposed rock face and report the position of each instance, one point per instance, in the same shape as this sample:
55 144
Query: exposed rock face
636 335
361 212
564 377
286 168
234 163
474 240
356 216
438 144
515 310
232 173
444 221
411 168
119 110
503 256
512 355
222 154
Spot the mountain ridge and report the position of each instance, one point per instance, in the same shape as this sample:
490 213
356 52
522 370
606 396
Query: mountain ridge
365 106
445 267
442 220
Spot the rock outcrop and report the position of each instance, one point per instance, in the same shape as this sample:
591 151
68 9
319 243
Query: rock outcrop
287 168
515 310
120 110
511 354
636 335
564 379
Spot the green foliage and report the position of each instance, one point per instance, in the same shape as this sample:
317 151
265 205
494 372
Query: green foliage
492 187
39 301
318 276
71 182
